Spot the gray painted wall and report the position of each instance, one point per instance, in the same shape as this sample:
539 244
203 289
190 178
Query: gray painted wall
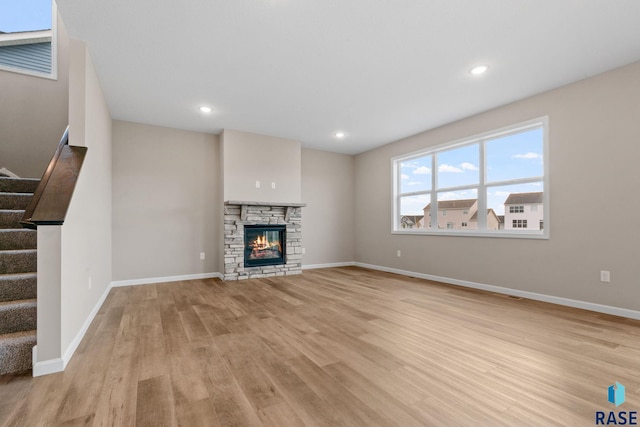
328 220
593 132
34 112
86 233
166 202
249 157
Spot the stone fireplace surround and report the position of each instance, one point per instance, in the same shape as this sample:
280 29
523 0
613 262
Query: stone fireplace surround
237 214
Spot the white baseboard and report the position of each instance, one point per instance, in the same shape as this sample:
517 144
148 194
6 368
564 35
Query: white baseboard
45 367
151 280
600 308
58 365
329 265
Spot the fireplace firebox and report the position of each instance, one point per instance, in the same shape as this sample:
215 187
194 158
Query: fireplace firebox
264 245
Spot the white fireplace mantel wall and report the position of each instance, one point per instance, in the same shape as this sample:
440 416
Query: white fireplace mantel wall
260 168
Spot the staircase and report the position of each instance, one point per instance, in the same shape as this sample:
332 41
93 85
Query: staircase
18 287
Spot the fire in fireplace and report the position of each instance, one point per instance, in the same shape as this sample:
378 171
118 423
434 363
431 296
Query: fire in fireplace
264 245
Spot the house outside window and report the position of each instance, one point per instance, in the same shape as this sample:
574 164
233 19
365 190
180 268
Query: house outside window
484 182
526 205
28 38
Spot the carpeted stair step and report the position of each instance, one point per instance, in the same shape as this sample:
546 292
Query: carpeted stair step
10 218
15 352
18 280
18 185
18 239
16 316
18 261
19 286
15 200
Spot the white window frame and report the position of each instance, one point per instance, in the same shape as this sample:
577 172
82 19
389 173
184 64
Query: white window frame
53 75
482 186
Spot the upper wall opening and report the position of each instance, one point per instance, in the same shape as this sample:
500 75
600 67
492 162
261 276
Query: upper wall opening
28 37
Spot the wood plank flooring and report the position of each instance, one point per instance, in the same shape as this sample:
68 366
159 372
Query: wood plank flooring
332 347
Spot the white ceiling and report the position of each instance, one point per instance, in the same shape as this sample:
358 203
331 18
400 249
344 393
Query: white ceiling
379 70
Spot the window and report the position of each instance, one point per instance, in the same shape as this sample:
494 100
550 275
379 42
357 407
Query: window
28 37
491 184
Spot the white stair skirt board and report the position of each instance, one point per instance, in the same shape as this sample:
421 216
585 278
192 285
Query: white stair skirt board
8 173
46 366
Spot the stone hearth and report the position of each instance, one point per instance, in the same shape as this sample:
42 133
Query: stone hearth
237 214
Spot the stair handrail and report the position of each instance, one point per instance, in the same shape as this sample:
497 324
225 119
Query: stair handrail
56 186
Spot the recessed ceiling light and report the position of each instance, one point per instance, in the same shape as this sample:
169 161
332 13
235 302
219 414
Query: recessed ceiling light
205 109
479 69
339 135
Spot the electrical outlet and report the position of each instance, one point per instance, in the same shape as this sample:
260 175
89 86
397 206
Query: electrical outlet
273 185
257 184
201 255
605 276
399 254
89 282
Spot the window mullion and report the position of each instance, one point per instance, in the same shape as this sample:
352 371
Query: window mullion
433 211
482 192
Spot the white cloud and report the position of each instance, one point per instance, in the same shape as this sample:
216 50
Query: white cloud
447 196
414 183
404 176
502 193
529 155
414 205
469 166
458 195
448 168
422 170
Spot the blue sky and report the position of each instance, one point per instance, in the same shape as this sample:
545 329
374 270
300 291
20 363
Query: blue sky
507 158
25 15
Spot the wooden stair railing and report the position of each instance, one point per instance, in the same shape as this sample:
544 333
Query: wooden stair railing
51 199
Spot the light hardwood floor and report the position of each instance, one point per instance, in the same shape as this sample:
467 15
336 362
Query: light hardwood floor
343 346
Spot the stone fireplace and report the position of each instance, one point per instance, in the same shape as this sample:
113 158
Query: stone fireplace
262 239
